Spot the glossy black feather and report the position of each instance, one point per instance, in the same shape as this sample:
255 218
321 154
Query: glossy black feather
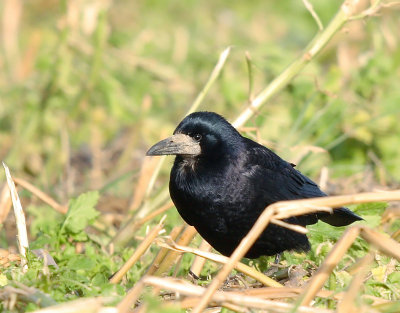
222 191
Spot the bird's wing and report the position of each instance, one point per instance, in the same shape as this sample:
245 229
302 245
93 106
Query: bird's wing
281 181
278 180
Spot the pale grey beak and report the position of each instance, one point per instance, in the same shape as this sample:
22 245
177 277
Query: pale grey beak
176 144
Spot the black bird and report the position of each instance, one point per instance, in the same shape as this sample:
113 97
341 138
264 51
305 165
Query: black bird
221 182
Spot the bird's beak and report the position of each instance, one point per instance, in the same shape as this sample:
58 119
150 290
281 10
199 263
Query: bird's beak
176 144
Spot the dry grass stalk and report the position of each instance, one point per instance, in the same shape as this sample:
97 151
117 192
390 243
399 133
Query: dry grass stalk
152 215
396 235
380 241
199 262
390 214
233 307
18 291
298 228
186 236
83 305
148 167
250 74
127 231
41 195
315 16
188 302
287 209
131 297
330 262
5 203
163 251
287 292
145 244
11 20
264 293
155 292
223 260
236 298
22 238
96 171
6 258
213 76
348 301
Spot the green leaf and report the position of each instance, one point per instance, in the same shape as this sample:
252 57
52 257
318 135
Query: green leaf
99 279
81 212
394 278
81 263
45 220
373 208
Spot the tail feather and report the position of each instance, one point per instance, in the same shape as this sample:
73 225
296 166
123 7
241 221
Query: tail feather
339 217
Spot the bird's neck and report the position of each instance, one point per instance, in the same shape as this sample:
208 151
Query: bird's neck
198 165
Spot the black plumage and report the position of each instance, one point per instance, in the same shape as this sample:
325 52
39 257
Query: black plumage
221 182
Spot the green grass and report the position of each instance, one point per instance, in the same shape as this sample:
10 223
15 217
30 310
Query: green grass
83 99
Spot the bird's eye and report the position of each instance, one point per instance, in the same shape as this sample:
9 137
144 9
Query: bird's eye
197 137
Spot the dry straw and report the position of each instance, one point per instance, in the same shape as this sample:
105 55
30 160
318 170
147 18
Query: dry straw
5 203
171 257
236 298
41 195
252 272
145 244
163 251
199 262
22 239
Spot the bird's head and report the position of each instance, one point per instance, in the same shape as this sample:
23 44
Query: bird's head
199 135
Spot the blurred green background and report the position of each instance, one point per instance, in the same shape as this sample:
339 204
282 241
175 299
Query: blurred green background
87 86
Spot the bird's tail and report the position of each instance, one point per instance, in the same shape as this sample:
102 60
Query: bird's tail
339 217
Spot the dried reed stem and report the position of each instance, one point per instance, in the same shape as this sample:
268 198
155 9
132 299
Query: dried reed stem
152 215
138 253
163 251
148 167
223 260
199 262
236 298
382 242
186 236
330 262
348 301
213 76
83 305
131 297
5 203
23 243
297 228
41 195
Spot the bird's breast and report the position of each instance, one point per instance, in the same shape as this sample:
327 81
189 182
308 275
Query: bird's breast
200 194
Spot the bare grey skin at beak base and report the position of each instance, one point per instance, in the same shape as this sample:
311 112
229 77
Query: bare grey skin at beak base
175 145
